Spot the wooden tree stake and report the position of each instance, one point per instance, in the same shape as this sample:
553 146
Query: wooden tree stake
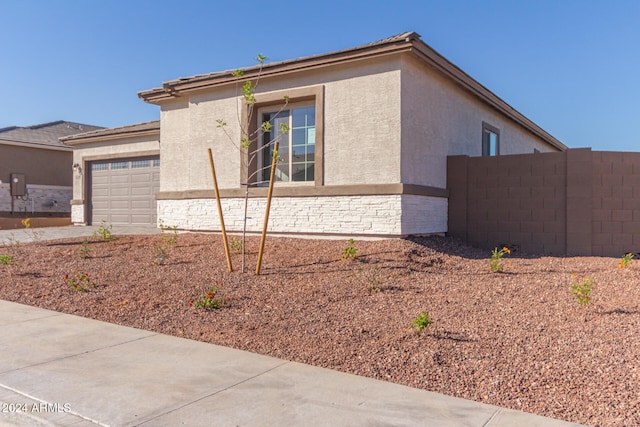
224 232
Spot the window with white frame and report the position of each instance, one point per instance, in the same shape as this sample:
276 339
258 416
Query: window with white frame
297 145
490 140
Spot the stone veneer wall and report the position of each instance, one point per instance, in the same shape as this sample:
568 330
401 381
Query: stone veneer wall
41 198
389 215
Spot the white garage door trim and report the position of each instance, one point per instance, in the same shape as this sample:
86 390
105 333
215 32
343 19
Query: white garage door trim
123 191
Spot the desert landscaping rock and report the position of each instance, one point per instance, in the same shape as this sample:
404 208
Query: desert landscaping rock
516 339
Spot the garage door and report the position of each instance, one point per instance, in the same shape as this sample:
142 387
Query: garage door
124 191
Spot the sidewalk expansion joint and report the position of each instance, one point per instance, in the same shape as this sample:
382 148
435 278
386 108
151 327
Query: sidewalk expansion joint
492 417
71 356
215 393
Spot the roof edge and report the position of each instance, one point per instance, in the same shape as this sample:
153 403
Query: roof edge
150 128
404 42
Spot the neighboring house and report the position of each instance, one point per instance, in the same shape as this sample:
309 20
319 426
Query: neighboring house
36 169
371 129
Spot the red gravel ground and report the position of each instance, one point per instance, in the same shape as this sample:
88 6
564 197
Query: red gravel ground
516 339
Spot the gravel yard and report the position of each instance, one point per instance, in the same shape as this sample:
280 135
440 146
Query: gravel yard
516 339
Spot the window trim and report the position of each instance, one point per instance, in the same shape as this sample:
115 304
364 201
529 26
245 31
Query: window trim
312 96
486 128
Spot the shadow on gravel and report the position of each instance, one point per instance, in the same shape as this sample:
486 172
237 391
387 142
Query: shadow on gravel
619 311
451 336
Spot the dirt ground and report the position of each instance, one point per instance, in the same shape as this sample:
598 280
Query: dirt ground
516 339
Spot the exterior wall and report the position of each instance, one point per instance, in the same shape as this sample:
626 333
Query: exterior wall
576 202
43 199
86 153
40 166
361 128
48 176
441 119
388 216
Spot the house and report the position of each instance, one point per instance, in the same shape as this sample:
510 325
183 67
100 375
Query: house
36 169
370 129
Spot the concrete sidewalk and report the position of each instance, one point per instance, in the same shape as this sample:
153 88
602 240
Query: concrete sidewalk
23 235
59 369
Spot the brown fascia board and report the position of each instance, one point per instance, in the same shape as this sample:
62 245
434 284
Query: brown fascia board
100 136
175 88
407 42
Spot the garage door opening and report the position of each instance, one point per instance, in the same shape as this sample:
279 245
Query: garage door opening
123 191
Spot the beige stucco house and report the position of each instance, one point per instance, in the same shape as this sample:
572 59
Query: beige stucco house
366 154
36 169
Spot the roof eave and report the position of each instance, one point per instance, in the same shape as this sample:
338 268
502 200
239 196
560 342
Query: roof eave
176 88
34 145
72 142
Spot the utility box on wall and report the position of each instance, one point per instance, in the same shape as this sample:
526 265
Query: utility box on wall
18 185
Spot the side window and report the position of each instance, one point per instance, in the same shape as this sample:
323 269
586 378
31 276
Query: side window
297 146
490 140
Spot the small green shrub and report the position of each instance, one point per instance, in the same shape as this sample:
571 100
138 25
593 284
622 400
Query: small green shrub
422 321
169 235
496 255
626 260
7 261
350 251
372 277
80 282
104 232
235 245
581 289
208 299
85 251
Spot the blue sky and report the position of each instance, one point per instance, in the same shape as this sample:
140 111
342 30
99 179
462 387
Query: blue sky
571 66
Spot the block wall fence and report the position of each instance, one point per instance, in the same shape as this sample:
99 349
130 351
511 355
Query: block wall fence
576 202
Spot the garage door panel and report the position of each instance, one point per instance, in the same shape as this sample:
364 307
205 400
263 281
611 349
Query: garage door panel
141 178
116 218
141 219
120 179
119 192
141 204
100 179
125 196
142 192
100 192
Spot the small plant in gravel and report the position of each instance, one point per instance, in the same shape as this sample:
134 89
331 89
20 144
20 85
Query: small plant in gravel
169 235
209 299
235 244
372 277
495 264
626 260
35 235
581 289
80 282
85 251
160 255
7 261
421 322
104 232
13 243
349 251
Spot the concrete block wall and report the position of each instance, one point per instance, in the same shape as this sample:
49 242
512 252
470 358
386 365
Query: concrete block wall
615 201
389 215
576 202
40 201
